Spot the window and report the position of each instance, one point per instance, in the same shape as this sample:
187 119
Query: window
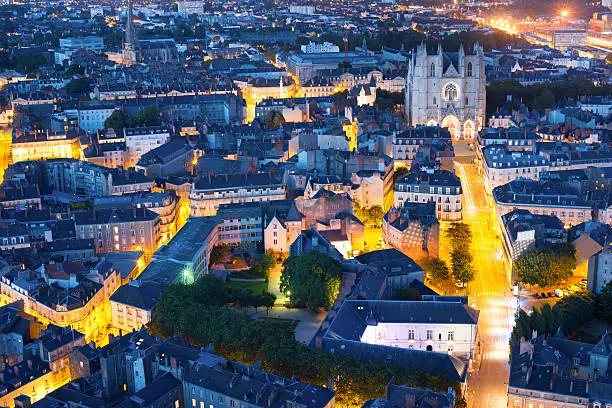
432 69
468 71
429 334
410 334
450 92
434 100
451 336
193 402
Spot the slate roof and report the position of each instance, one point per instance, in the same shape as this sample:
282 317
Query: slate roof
142 296
355 315
391 260
225 181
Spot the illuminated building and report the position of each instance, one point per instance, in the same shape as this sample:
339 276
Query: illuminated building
33 378
542 198
120 230
85 309
142 140
185 258
44 145
439 186
413 230
407 145
132 304
240 224
210 191
447 89
164 204
188 7
445 326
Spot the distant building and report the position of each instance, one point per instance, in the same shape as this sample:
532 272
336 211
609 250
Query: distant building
313 240
91 42
552 370
402 396
142 140
523 231
413 229
313 47
447 89
119 230
302 9
210 191
186 257
240 224
132 304
600 270
44 145
189 7
440 186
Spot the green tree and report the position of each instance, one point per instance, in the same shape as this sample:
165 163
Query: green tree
149 116
546 266
118 120
459 235
437 270
311 280
219 253
274 120
77 85
463 271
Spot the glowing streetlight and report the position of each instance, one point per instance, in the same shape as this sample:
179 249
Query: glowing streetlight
564 13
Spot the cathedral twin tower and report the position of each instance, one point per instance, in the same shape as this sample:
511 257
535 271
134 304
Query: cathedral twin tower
447 89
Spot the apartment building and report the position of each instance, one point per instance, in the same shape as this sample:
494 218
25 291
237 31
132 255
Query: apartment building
132 304
440 186
210 191
120 229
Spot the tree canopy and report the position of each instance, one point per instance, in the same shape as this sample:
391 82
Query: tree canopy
460 239
274 120
546 266
197 313
119 119
311 280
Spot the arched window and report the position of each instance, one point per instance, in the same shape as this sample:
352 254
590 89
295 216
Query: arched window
468 71
450 92
435 101
432 69
467 101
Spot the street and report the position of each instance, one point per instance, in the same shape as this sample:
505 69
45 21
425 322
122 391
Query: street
490 290
5 149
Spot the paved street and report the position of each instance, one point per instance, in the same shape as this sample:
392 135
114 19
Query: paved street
5 148
490 290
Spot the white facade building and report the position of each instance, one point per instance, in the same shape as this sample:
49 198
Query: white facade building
313 47
188 7
447 89
91 119
139 141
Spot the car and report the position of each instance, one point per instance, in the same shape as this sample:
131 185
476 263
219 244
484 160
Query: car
558 293
537 296
551 294
543 295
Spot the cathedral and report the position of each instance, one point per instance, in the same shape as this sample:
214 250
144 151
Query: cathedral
447 89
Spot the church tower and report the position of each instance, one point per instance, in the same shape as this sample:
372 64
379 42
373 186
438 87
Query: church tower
447 89
129 45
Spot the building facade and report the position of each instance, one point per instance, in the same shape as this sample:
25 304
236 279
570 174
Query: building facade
447 89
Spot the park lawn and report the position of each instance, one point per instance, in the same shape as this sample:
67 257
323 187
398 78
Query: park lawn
254 286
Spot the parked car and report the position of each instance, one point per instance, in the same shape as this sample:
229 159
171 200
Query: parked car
543 295
551 294
558 293
537 296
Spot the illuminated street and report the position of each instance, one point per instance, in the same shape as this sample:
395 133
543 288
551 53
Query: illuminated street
489 290
5 150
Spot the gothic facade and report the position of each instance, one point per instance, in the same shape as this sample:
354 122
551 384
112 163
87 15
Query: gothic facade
447 89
